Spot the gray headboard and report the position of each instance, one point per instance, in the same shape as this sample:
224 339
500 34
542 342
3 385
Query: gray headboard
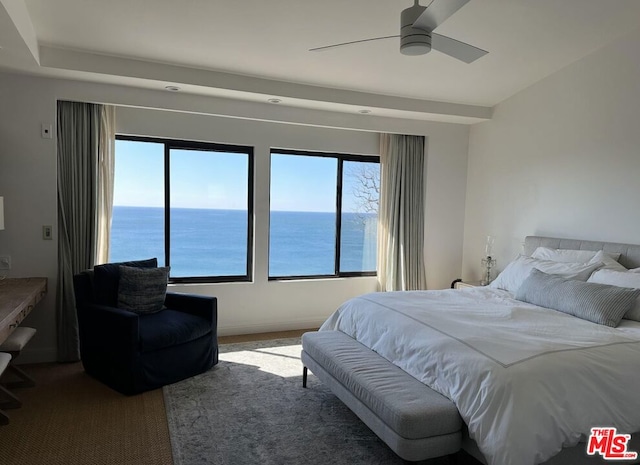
629 253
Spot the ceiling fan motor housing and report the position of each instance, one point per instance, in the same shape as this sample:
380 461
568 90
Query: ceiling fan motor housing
413 41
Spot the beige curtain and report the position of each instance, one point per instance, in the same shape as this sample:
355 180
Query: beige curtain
106 166
86 142
401 214
78 135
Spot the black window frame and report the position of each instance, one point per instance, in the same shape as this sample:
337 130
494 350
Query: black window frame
341 157
178 144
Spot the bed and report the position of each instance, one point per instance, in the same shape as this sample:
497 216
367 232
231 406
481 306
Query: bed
528 381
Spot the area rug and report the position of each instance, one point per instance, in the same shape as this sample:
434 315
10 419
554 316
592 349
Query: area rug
252 409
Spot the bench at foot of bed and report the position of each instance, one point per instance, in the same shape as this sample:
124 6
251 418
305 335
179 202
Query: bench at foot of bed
416 422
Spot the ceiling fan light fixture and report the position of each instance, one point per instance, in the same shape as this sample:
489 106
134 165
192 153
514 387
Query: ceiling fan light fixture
413 41
415 47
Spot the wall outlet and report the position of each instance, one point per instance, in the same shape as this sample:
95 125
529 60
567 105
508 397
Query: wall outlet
5 262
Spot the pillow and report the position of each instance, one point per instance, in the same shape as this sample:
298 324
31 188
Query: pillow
518 270
620 279
564 255
610 260
598 303
142 290
106 277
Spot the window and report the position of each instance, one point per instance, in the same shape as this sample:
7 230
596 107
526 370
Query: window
324 212
187 203
360 192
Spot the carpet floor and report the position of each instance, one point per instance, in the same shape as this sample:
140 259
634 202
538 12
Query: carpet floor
71 419
251 409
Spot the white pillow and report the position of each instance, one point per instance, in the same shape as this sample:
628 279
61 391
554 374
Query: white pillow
518 270
620 279
591 257
610 261
564 255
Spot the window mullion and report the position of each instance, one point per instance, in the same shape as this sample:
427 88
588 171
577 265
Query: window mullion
167 205
250 213
338 216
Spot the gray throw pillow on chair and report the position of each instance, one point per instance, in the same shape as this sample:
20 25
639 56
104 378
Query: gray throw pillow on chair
142 290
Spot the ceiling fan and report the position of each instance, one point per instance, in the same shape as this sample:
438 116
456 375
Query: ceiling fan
416 32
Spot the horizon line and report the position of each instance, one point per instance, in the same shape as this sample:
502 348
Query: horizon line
241 209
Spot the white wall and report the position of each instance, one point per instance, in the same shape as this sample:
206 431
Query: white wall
28 183
561 158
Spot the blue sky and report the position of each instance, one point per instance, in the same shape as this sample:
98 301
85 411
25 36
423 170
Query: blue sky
303 183
219 181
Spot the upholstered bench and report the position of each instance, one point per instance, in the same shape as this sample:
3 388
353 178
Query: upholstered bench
416 422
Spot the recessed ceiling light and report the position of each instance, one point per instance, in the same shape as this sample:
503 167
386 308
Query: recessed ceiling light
364 112
172 88
274 100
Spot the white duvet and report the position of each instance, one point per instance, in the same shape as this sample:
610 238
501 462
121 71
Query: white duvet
527 380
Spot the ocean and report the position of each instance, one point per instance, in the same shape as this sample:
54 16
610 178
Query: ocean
213 242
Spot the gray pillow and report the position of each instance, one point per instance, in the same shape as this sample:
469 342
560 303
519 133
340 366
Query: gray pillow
106 277
598 303
142 290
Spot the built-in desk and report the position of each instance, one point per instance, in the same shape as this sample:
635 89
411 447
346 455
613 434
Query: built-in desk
18 296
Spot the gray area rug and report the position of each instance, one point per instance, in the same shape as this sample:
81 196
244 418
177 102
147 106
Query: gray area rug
252 409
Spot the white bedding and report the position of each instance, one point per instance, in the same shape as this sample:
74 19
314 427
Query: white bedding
527 380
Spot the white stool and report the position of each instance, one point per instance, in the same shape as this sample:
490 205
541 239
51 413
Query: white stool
11 400
13 345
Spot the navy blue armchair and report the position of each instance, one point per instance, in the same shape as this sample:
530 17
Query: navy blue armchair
133 352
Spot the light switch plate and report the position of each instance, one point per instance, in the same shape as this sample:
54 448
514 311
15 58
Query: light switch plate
46 131
47 232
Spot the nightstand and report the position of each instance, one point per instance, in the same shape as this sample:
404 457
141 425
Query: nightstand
460 284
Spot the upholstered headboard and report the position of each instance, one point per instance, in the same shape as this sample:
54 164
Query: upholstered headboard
629 253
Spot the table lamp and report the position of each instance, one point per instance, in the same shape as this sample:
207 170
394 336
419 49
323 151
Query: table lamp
488 262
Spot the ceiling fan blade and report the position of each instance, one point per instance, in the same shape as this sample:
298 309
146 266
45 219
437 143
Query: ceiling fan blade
326 47
437 13
456 49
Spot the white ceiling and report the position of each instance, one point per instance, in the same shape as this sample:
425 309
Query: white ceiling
201 44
